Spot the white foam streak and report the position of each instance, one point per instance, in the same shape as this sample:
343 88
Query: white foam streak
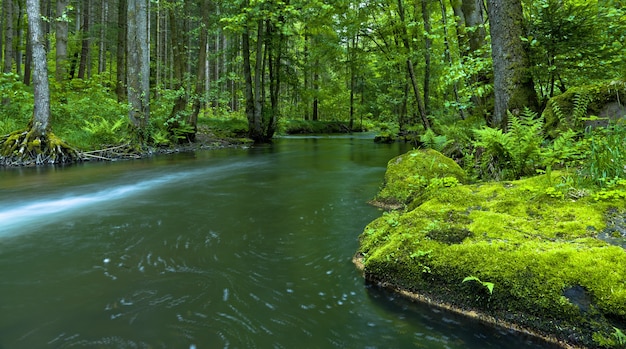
24 215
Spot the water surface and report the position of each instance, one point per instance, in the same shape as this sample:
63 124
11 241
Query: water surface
231 248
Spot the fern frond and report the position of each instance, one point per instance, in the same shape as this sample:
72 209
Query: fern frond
581 102
558 112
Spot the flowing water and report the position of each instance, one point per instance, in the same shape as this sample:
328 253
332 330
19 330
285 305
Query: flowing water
231 248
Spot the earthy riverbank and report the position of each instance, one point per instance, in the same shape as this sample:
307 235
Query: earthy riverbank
521 254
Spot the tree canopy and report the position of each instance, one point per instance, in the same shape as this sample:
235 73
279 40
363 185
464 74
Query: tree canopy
416 64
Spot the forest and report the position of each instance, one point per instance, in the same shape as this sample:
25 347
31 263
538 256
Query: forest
504 87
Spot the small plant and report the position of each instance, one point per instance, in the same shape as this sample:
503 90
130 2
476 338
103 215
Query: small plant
434 141
420 257
620 337
488 285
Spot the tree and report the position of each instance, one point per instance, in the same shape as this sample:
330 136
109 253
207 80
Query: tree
513 83
36 144
8 36
61 39
41 112
138 66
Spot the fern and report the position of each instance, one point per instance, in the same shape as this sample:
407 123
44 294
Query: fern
558 112
434 141
513 154
581 102
527 136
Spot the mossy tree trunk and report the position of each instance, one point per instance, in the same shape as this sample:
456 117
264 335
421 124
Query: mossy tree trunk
513 82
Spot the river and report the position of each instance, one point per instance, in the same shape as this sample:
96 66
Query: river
229 248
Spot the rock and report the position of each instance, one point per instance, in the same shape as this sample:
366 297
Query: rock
409 176
551 273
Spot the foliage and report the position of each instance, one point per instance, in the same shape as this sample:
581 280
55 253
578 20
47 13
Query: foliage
569 39
606 156
16 105
510 154
488 285
512 234
106 132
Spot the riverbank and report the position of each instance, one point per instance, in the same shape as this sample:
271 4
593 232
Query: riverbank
517 254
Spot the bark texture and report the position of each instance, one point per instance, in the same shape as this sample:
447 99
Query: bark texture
513 83
41 112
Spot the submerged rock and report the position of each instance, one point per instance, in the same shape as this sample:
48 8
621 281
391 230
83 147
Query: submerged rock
539 263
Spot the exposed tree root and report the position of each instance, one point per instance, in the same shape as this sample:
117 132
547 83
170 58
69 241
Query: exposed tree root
22 148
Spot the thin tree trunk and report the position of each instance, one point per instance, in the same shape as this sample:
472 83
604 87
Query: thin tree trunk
61 24
104 14
455 85
28 60
8 36
411 70
179 40
200 78
120 87
19 33
427 48
84 52
247 73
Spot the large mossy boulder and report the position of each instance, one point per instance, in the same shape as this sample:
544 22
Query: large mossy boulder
583 106
529 257
410 176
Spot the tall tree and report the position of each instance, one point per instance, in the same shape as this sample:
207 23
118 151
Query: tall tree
61 24
84 66
122 27
138 66
8 36
41 112
513 83
409 64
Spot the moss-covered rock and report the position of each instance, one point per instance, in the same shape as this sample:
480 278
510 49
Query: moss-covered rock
409 176
581 106
550 272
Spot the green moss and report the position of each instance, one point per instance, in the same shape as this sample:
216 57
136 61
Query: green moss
409 176
532 246
593 99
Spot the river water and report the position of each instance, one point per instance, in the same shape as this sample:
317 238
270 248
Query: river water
230 248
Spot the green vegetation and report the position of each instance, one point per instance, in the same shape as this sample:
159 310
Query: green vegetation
540 252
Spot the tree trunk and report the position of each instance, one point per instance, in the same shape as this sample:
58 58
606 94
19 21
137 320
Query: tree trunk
201 70
448 56
513 83
84 52
247 73
104 14
179 40
258 74
410 69
61 24
120 86
41 113
28 60
473 18
427 48
8 36
138 67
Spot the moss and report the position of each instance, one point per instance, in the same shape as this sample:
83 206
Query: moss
535 248
409 176
599 99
